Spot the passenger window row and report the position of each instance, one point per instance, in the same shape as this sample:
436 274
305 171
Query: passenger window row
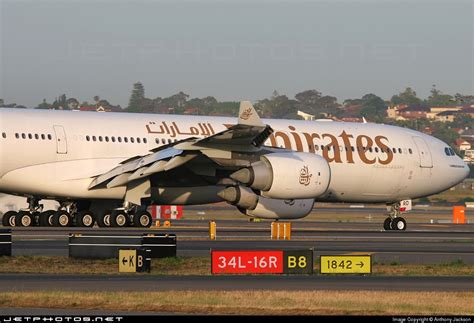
35 136
370 149
164 141
119 139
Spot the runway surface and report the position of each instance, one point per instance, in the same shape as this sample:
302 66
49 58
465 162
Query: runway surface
420 244
100 283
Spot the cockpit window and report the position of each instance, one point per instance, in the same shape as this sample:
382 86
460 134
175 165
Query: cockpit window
449 151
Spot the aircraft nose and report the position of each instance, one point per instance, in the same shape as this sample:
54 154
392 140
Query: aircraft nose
466 171
462 171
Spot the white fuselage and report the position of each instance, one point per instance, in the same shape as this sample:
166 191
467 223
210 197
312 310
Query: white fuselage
55 154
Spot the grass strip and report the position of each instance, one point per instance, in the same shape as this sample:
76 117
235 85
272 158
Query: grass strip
254 302
198 266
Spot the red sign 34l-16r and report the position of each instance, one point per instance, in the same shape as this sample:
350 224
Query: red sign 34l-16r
262 262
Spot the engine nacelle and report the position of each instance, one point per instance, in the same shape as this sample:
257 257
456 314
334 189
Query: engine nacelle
281 209
258 206
287 175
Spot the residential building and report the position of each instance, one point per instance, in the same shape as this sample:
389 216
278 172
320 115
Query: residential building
413 112
306 116
462 144
434 111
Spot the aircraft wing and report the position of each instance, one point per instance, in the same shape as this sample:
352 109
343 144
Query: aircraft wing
203 157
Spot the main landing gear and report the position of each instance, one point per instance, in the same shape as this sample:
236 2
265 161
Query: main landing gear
128 215
26 217
395 221
77 214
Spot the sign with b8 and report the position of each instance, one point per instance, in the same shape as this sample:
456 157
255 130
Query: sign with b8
262 262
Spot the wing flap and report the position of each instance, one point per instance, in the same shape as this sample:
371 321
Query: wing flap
247 136
133 164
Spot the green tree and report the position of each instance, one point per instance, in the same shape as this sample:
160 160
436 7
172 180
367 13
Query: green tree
1 102
464 99
138 96
446 134
417 124
374 108
60 103
176 102
309 97
313 102
463 121
72 103
227 108
44 105
406 97
437 98
278 107
103 103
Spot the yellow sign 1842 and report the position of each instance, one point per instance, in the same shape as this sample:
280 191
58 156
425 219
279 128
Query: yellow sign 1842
346 264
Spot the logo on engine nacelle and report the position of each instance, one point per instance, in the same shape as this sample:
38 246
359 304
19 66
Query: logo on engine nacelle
246 114
305 176
289 202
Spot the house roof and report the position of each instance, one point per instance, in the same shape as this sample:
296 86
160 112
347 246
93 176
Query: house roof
447 113
88 108
415 109
468 133
458 142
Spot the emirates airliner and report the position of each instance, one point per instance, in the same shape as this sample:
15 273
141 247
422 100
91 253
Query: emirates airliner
107 168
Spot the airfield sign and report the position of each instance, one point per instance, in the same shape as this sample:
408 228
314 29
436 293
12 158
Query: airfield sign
346 264
132 261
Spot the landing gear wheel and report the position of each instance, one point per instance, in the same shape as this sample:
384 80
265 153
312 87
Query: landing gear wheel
45 218
24 219
142 219
399 224
104 219
62 219
35 216
119 219
9 219
387 224
85 219
51 218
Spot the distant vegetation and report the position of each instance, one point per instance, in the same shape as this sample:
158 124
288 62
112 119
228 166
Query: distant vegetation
370 106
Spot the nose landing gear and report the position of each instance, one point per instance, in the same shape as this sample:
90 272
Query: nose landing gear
395 221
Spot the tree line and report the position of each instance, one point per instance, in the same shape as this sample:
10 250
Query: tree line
370 106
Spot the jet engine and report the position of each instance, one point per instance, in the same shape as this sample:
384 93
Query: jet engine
287 175
254 205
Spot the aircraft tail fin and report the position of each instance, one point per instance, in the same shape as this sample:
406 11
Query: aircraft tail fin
248 116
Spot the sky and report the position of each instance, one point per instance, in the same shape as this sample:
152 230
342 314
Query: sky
233 50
